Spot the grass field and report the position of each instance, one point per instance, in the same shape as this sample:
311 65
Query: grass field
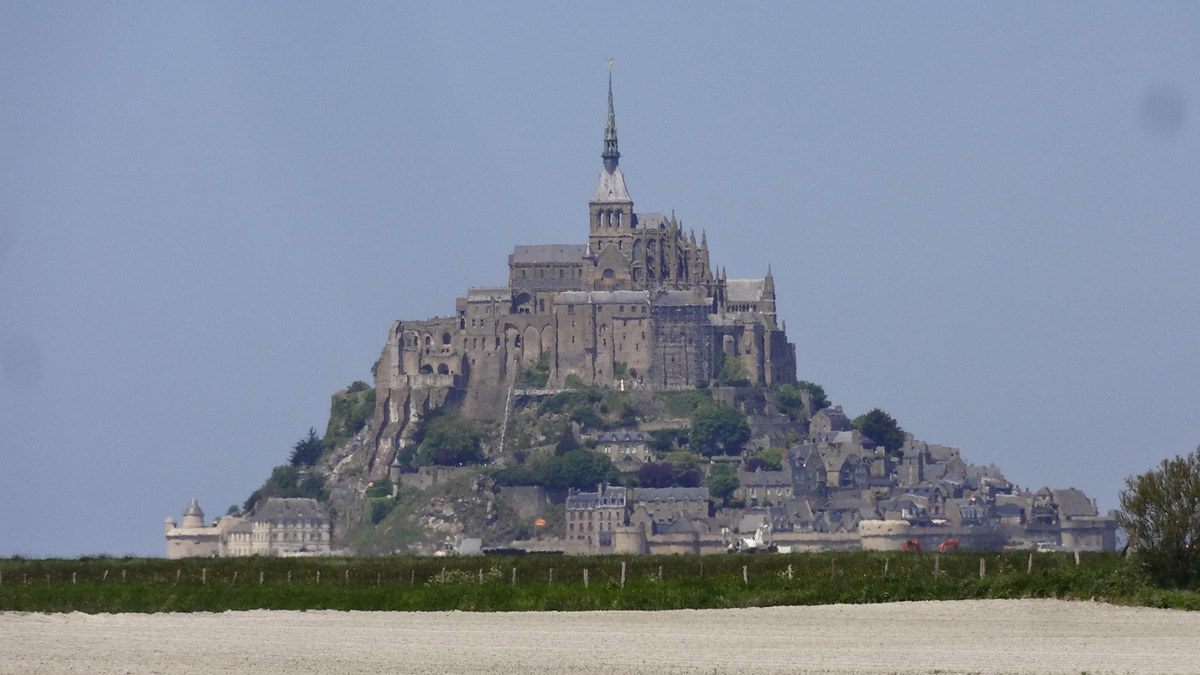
548 582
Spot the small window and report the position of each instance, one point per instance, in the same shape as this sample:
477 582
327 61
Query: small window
608 274
445 338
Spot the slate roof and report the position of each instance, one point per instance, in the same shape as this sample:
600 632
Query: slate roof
651 221
623 437
608 497
548 253
281 509
193 509
765 478
611 187
1073 503
679 494
485 293
744 290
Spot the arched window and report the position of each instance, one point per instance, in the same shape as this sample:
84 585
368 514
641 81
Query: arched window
443 369
428 340
445 338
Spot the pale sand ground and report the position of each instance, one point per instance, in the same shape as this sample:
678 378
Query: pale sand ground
987 636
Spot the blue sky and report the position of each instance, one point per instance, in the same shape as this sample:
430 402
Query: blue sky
981 218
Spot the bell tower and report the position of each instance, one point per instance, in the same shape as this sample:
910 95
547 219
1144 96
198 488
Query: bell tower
610 212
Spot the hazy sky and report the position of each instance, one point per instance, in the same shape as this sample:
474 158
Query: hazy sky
981 217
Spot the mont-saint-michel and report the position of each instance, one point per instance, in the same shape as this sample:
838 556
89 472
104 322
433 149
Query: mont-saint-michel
620 394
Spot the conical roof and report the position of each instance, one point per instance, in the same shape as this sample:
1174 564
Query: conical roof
193 509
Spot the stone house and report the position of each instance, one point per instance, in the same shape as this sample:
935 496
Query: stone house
809 476
759 487
628 450
592 517
828 420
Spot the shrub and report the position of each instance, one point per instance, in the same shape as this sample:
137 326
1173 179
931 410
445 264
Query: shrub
1160 511
537 374
717 430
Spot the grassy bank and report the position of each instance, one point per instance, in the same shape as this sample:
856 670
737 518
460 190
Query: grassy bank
544 582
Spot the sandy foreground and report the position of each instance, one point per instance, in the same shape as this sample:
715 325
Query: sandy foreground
977 636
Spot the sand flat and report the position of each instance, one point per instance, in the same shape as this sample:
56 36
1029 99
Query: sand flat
974 636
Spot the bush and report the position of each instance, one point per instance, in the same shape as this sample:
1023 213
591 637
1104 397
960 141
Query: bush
572 381
537 374
1160 512
450 440
717 430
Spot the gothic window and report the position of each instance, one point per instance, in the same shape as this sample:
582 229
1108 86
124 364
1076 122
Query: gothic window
445 338
443 370
428 340
560 274
618 218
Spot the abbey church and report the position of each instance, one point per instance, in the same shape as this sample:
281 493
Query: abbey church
638 305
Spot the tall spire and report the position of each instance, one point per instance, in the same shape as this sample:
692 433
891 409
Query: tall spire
610 155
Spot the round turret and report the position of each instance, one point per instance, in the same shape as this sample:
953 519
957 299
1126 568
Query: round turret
169 524
193 516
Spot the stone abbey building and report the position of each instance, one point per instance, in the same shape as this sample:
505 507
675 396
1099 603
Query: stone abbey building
640 301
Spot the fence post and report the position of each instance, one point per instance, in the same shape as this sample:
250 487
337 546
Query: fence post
832 569
203 575
585 578
745 575
379 577
234 577
318 577
982 568
412 577
480 576
72 578
260 577
885 566
701 570
103 578
514 581
122 575
789 572
622 574
177 573
1077 558
47 579
660 573
289 577
551 576
936 566
1029 568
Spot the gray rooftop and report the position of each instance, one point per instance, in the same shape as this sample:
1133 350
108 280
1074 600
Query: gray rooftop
603 297
651 221
679 494
548 253
744 290
623 437
289 508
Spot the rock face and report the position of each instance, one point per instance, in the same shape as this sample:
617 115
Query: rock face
637 306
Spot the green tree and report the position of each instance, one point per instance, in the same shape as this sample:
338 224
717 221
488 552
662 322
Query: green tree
1160 512
722 481
566 441
717 430
816 394
789 398
307 450
768 459
579 469
450 440
881 428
